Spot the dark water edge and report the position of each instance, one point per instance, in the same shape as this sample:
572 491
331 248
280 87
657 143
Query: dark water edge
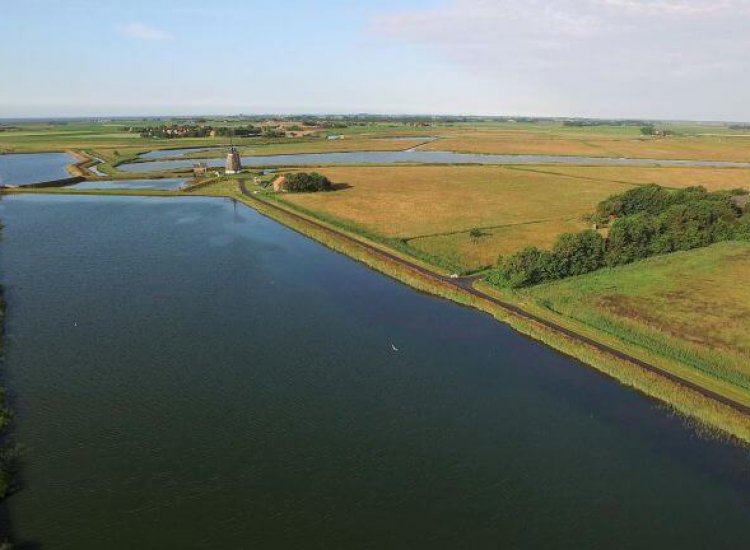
261 404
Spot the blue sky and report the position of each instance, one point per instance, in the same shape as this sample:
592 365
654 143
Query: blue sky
627 58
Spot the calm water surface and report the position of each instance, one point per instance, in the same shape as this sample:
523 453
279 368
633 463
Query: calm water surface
191 375
169 184
164 153
21 169
415 156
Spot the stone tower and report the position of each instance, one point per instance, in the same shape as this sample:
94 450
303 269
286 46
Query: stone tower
234 162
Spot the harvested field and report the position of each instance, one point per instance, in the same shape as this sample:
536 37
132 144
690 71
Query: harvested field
473 253
722 148
409 202
712 179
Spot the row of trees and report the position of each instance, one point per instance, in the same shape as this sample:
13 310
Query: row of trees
303 182
644 222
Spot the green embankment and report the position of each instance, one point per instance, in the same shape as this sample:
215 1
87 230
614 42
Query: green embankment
690 307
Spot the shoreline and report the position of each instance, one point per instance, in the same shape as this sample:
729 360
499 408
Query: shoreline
692 400
713 411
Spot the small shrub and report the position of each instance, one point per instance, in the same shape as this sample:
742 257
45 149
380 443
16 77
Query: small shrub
528 267
477 233
303 182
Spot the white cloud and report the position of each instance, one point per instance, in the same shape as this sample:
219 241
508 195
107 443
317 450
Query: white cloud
140 31
597 57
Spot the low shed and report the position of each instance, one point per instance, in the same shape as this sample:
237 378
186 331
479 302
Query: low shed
278 184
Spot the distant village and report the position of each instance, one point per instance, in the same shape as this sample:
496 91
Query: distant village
272 127
268 129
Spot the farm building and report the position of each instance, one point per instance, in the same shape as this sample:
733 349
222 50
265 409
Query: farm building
199 170
278 184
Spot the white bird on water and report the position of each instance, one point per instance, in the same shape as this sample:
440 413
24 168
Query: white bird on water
394 347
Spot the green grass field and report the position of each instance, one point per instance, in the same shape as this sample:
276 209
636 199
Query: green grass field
693 307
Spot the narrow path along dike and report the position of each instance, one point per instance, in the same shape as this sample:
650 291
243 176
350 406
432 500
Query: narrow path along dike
466 284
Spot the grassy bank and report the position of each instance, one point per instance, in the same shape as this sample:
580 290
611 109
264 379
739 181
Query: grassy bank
691 307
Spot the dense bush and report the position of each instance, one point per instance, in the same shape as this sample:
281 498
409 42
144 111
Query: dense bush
572 254
576 253
528 267
303 182
648 220
630 238
742 230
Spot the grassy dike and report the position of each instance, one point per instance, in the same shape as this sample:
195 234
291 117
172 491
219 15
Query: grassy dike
706 414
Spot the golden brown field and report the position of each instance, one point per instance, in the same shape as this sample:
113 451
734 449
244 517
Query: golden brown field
438 206
408 202
476 252
725 148
711 178
434 208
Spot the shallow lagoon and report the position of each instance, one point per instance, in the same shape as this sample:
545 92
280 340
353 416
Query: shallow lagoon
20 169
164 153
190 374
414 156
168 184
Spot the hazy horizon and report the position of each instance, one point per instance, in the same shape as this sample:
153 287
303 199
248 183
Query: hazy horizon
215 116
623 59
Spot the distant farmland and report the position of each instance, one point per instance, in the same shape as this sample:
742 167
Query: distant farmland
590 142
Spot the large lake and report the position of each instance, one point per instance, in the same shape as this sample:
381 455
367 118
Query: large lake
21 169
189 374
410 156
